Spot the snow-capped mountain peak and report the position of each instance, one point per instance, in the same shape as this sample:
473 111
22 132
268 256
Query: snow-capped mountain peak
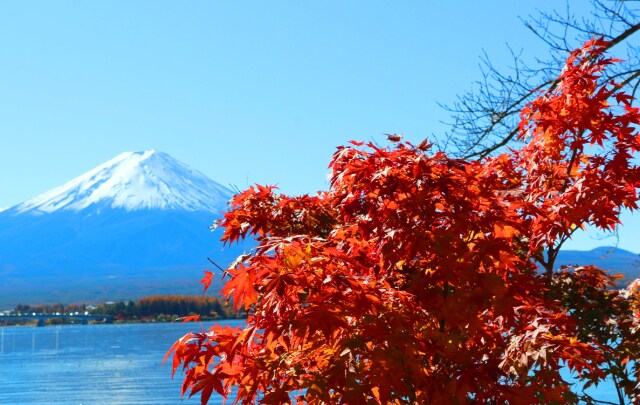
134 181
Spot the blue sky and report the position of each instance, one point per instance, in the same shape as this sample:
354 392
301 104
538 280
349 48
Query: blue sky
246 92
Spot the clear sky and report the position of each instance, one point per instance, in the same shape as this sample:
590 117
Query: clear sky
246 92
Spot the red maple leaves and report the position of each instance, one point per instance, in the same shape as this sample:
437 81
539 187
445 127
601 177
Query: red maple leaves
206 281
415 278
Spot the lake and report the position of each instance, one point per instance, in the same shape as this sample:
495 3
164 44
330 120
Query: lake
92 364
101 364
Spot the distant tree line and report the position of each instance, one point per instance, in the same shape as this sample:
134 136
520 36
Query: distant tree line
51 309
166 305
157 307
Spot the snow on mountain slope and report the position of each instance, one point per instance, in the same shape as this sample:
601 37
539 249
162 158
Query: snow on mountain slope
134 181
136 225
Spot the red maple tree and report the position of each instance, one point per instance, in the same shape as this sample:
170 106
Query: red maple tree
420 278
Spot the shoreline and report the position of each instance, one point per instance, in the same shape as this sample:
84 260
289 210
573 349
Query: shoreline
34 323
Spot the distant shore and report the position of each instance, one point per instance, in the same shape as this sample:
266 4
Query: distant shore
152 309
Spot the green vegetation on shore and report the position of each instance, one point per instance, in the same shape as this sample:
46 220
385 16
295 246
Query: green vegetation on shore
156 308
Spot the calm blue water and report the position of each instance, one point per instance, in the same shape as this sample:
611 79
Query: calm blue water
101 364
92 364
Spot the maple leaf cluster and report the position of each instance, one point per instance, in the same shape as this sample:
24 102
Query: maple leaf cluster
417 277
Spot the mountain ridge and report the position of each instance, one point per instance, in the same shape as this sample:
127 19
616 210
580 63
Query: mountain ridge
135 225
612 259
133 180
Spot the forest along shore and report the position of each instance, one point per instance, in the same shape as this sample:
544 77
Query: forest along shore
157 308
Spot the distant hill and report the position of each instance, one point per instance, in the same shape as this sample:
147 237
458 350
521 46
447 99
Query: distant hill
136 225
617 261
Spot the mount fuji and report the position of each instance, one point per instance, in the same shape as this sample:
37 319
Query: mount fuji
135 225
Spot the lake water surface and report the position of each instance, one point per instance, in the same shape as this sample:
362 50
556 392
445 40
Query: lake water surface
92 364
101 364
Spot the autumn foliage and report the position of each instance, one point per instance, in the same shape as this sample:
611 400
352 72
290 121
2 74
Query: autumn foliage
423 279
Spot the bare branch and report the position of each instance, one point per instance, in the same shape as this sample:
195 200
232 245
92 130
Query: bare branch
484 120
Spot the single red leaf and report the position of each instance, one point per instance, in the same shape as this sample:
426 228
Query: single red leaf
190 318
206 280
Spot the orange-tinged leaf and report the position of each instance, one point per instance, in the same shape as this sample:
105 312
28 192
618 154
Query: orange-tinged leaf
503 231
190 318
372 298
206 280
